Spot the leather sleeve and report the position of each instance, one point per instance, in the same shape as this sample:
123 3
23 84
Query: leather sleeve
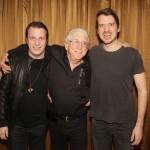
5 85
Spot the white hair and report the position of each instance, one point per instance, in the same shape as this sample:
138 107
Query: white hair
70 34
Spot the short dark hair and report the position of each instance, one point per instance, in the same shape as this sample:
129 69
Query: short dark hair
107 12
37 24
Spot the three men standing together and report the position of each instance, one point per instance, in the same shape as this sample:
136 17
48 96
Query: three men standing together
114 68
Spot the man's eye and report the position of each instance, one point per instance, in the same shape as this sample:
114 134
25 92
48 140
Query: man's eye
77 42
32 38
100 25
110 24
42 38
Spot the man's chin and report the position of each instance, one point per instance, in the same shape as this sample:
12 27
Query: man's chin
37 55
107 42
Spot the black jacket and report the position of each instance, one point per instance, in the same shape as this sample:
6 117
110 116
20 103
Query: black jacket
11 86
64 88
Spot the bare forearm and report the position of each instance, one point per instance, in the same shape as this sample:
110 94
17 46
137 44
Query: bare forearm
142 104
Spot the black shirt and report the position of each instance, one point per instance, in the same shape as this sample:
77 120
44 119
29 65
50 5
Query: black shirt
68 88
112 83
33 106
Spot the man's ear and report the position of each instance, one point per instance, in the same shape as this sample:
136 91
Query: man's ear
119 28
97 32
26 40
66 45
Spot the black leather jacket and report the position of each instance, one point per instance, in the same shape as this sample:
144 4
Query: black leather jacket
11 86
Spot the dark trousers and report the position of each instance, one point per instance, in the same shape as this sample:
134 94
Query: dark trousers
21 138
72 133
105 134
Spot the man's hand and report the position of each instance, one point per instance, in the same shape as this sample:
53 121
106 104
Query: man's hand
49 97
88 103
125 44
137 135
5 68
4 133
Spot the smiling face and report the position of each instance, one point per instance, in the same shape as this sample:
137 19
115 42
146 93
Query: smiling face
36 41
107 29
77 47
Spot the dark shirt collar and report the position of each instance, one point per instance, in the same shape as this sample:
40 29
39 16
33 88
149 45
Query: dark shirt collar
66 60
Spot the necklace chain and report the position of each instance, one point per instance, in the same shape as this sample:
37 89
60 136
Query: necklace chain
30 89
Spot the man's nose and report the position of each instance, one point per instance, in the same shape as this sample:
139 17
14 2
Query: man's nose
37 42
106 28
80 45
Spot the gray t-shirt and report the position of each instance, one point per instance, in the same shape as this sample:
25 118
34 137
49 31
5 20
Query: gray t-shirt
112 83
